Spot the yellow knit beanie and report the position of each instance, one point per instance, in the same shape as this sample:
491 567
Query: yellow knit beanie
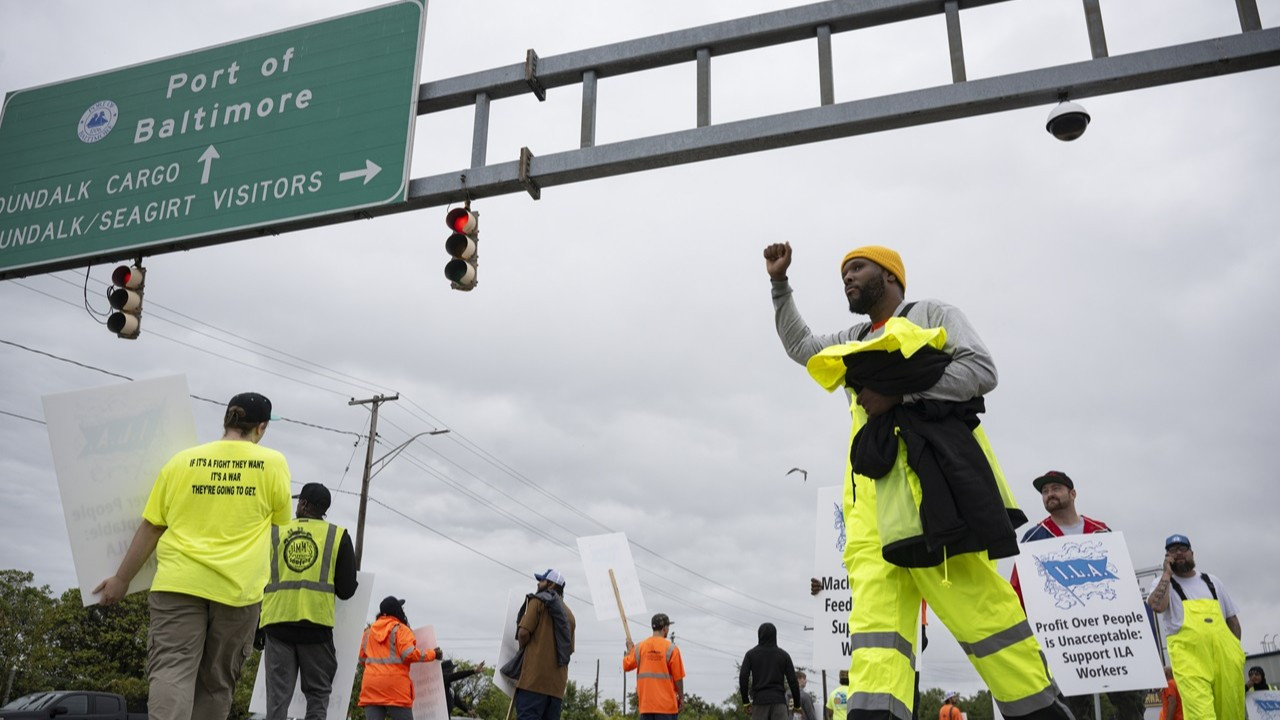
884 257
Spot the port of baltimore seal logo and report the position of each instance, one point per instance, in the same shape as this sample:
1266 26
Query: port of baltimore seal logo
97 121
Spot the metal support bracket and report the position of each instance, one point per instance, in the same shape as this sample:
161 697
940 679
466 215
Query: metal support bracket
531 75
531 187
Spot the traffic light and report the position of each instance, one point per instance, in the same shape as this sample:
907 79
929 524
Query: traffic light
125 296
462 245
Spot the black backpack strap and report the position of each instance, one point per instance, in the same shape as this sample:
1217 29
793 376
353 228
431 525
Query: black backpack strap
1178 589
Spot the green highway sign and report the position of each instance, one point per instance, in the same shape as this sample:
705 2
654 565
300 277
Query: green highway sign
304 123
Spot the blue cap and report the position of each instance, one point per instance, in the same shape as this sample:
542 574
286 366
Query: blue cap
551 575
1176 540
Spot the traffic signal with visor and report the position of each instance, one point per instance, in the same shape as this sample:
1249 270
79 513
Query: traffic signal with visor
462 246
125 296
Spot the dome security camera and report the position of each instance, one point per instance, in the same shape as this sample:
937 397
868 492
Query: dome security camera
1067 121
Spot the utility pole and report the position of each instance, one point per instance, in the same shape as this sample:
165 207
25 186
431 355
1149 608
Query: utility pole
597 700
374 401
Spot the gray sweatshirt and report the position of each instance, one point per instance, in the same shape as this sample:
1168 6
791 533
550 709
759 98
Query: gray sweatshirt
972 372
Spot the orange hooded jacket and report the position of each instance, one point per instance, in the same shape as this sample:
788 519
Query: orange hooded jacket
387 649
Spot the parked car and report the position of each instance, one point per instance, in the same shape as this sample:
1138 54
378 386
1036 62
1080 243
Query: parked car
69 705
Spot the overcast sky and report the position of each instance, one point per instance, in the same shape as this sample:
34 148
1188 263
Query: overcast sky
617 368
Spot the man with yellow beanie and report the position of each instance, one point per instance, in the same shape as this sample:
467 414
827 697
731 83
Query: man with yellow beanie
927 509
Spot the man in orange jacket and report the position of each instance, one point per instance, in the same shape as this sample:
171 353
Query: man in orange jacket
386 650
659 672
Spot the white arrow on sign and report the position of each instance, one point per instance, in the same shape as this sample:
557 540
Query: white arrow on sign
370 169
207 157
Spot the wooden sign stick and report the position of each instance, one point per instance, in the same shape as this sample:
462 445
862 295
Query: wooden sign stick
618 596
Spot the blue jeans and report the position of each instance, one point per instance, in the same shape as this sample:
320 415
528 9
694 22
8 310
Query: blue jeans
536 706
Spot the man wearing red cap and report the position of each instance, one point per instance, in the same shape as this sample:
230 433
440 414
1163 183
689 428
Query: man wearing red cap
926 506
1058 493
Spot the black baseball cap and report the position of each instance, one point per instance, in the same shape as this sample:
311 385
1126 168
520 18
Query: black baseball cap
316 495
1053 476
257 408
660 621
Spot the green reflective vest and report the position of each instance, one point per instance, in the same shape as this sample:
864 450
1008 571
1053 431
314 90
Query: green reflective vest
304 557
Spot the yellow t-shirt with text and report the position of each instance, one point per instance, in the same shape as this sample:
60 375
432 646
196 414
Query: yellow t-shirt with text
218 502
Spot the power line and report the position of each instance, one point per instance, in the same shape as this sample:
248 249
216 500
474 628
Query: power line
483 454
457 437
65 360
573 548
22 417
496 561
363 384
126 377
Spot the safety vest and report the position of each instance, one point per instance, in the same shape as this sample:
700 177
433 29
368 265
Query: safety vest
386 650
304 558
898 493
655 683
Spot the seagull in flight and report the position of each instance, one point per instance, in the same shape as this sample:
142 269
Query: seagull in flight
802 471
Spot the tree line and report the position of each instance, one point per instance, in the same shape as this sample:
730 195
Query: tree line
50 642
55 643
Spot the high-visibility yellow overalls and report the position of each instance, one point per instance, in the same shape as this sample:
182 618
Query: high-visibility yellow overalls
1207 660
976 604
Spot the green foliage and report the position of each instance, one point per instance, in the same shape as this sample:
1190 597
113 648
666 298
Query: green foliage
48 644
354 711
244 687
695 708
470 690
579 704
22 610
610 708
975 707
479 693
58 644
99 648
930 703
733 704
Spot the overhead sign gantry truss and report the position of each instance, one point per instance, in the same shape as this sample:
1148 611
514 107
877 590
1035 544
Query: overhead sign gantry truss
1252 48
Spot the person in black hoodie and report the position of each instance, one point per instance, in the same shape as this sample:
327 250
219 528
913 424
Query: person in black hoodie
765 667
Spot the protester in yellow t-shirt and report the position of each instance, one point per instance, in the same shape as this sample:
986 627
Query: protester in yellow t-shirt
208 519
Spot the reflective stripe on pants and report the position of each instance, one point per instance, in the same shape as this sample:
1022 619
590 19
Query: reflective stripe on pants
976 604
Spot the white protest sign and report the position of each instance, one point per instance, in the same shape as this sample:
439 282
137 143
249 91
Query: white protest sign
600 554
1263 705
508 647
832 648
349 622
428 681
1085 607
109 444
